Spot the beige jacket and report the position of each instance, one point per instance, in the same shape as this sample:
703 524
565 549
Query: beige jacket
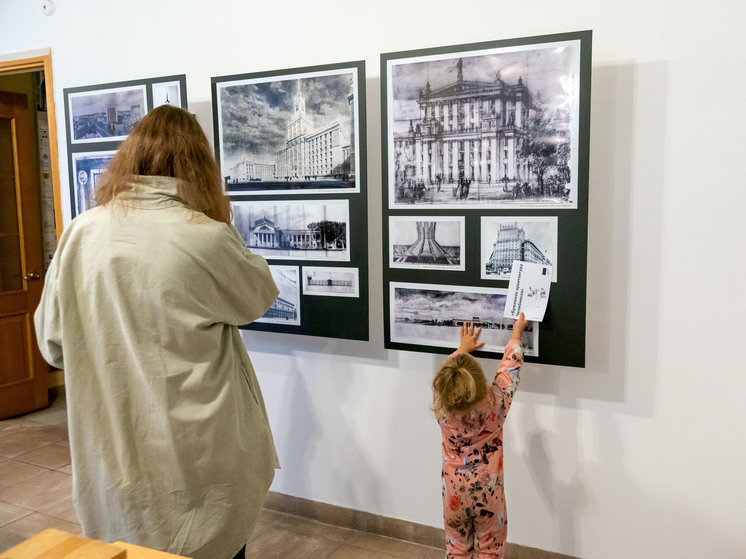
171 445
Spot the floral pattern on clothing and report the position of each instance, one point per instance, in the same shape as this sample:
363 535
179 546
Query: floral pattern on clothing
473 494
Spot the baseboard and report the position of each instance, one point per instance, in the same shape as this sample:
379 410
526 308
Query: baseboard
383 526
56 393
55 378
356 520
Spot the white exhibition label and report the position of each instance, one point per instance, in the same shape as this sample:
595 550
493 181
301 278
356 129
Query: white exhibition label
528 291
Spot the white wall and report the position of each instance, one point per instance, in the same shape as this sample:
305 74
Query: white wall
640 454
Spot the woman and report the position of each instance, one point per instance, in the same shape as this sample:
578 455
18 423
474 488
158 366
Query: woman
171 446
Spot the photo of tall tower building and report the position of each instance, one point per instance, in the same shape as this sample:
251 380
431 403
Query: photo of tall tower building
282 134
311 154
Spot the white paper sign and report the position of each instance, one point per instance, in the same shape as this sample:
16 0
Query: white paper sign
528 291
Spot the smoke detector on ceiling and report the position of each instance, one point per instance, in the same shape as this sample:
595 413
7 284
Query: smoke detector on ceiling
47 7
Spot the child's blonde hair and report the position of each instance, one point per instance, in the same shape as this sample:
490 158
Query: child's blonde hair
459 384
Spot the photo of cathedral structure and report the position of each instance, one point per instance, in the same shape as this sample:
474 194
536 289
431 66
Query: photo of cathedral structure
426 242
502 135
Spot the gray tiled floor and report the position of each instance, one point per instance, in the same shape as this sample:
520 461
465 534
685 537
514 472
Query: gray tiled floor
36 483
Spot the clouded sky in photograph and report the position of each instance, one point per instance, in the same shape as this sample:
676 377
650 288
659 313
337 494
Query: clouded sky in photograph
255 116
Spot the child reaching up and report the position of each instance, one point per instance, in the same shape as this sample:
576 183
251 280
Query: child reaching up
471 416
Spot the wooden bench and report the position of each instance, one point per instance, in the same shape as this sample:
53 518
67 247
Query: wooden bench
56 544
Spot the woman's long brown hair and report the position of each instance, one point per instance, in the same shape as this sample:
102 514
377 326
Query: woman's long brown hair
169 142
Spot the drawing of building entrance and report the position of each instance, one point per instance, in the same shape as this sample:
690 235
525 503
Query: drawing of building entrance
264 234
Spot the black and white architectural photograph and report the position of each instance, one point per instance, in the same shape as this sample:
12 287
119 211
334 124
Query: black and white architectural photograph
295 230
294 133
332 282
426 242
86 170
432 315
497 134
495 127
106 114
286 308
166 93
527 239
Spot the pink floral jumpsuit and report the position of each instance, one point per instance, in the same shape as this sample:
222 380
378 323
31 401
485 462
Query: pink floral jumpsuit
473 496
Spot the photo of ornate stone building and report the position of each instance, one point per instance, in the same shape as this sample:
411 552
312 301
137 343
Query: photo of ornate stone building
495 128
467 129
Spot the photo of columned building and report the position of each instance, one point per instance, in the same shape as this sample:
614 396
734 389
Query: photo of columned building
466 129
265 234
311 154
512 244
246 171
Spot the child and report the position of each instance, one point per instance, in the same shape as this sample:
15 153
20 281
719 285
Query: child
471 416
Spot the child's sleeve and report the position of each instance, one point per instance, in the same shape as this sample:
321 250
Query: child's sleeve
509 372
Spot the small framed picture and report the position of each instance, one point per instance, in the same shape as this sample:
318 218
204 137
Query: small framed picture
86 170
295 229
286 308
523 238
106 114
331 282
426 242
290 132
430 316
166 93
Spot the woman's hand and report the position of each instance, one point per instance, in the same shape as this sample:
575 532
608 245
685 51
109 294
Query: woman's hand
469 337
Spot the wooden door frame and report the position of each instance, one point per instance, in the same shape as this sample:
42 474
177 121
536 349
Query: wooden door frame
44 62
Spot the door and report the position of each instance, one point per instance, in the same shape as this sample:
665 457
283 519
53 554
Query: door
23 372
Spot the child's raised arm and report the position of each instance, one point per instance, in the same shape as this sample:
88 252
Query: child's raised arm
518 326
509 372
